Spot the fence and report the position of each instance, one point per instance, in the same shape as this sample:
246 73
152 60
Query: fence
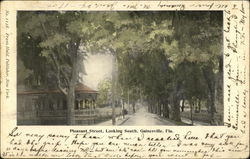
59 117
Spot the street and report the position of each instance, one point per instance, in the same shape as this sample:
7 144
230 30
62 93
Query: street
143 118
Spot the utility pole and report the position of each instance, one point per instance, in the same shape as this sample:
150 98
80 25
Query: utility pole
113 87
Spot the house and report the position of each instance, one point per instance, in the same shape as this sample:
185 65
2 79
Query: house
50 106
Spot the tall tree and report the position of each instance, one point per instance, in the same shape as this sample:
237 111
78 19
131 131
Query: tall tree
198 40
56 38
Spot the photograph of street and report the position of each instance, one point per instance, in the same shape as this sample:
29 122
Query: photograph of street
120 68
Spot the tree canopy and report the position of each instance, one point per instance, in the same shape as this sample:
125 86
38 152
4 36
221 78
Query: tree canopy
162 57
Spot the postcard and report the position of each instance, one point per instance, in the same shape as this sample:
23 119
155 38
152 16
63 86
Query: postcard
125 79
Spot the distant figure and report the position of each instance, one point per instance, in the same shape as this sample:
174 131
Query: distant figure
125 111
133 105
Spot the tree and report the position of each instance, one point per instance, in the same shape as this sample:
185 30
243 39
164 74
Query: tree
199 41
56 39
104 90
188 40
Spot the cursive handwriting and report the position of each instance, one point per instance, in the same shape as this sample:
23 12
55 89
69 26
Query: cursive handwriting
69 144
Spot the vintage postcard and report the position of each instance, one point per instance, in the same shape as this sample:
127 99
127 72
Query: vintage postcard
125 79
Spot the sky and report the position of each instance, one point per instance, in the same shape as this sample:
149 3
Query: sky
98 67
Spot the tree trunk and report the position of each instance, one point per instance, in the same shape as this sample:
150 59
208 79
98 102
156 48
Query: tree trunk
123 109
128 101
71 99
182 105
210 79
175 102
199 105
155 108
176 109
165 109
213 110
151 107
133 105
196 106
159 108
191 103
219 90
71 105
72 83
113 89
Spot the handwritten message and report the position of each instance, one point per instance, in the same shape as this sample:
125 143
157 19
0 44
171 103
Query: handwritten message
126 143
235 67
136 5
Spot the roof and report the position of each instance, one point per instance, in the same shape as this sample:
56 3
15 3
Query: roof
78 88
83 88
